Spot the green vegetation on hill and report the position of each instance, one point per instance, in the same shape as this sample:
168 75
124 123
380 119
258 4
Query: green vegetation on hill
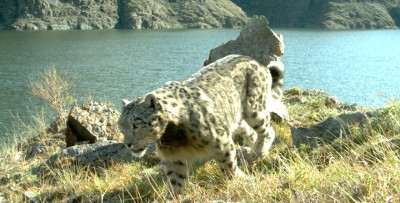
127 14
165 14
181 14
333 14
358 15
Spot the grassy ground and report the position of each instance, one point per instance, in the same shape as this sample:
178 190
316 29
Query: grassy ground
363 168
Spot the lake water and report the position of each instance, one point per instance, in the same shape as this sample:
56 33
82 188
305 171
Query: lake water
109 65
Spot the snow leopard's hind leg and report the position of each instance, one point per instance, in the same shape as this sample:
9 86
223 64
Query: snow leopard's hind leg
257 110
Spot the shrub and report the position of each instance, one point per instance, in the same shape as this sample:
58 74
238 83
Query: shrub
53 88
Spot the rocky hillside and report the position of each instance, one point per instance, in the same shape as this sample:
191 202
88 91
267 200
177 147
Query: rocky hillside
108 14
332 14
164 14
180 13
58 14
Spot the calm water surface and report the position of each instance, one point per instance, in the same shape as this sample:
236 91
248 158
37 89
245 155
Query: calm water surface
355 66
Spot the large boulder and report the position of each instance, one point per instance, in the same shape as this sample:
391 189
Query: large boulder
104 151
256 40
330 129
92 122
99 153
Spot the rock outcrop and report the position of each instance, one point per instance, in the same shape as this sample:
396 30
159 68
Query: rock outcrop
301 96
330 129
105 151
91 123
256 40
109 14
332 14
34 149
339 120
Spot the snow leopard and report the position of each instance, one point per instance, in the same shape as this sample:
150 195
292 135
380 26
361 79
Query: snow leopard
196 119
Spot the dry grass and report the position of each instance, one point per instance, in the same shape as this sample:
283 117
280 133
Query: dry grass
359 170
363 168
54 88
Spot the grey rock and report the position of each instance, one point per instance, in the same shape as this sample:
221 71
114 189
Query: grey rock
35 149
104 151
349 107
52 159
330 129
100 152
302 96
395 143
256 40
38 170
59 125
2 198
42 167
92 122
297 95
31 197
86 198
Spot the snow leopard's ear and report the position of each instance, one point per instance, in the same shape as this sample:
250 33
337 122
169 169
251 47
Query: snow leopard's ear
151 101
124 102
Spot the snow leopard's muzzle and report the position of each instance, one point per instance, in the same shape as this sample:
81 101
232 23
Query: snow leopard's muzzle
138 151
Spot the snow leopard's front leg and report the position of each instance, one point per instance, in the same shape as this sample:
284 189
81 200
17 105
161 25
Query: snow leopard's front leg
177 173
266 136
226 159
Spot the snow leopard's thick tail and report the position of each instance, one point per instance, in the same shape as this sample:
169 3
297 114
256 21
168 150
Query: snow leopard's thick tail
277 69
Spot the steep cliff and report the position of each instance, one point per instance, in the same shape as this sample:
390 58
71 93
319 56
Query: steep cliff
181 14
108 14
58 14
358 15
333 14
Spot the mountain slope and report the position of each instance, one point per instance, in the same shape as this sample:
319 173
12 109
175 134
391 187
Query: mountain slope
108 14
333 14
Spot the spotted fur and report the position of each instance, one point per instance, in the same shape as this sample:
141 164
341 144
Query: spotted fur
198 117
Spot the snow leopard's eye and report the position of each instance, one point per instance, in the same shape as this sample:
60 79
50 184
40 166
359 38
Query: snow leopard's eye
136 125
